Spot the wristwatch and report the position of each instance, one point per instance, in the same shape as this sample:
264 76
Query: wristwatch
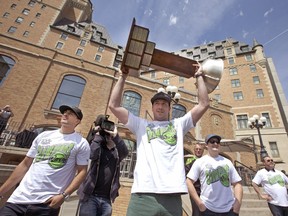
66 196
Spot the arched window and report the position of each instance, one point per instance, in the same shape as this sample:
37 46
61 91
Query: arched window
178 111
131 101
70 91
6 64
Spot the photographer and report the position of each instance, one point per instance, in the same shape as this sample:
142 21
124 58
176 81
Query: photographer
101 185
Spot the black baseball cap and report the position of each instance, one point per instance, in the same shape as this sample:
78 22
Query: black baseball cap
208 137
162 96
76 110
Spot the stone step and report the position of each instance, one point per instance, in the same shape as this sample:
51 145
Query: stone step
254 203
255 211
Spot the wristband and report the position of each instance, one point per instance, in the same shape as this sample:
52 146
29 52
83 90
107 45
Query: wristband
66 196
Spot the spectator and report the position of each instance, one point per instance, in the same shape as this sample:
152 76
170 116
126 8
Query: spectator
5 114
198 152
25 138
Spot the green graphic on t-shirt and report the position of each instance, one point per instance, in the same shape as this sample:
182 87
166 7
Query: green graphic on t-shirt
276 179
221 173
56 155
167 133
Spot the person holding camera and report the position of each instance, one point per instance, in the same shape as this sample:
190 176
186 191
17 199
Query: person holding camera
159 175
100 188
5 114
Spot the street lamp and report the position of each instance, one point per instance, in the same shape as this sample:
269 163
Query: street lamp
255 122
172 91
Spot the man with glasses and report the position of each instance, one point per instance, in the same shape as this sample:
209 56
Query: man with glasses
216 175
273 182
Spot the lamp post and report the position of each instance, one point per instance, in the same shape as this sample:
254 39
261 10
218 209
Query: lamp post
172 91
255 122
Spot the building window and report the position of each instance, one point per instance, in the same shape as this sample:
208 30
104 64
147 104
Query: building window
231 60
6 64
274 149
32 3
59 45
13 6
217 97
252 67
259 93
83 42
64 36
79 52
153 74
116 64
178 111
242 121
98 58
233 71
99 34
38 15
203 51
197 57
32 24
102 40
6 14
26 33
268 120
12 29
229 51
256 80
70 91
43 7
212 54
70 29
101 49
86 34
219 47
181 79
235 83
166 81
19 20
244 48
190 53
26 11
248 57
238 95
131 101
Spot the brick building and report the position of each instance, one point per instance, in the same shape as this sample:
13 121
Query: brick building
52 53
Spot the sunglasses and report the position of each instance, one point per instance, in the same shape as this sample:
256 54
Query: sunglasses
214 141
269 160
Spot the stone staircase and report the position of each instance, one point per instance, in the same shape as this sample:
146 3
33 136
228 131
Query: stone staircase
251 205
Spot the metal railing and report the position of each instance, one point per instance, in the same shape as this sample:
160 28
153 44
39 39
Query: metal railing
245 172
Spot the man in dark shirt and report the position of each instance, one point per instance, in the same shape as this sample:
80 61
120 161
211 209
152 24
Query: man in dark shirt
198 152
101 185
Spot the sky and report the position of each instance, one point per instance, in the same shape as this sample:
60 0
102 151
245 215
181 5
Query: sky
178 24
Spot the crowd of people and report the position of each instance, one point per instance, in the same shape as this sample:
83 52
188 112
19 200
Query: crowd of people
60 162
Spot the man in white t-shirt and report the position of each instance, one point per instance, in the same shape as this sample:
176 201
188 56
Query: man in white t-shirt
47 173
216 175
273 182
159 175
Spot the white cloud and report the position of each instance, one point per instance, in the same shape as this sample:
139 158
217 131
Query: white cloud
268 12
244 33
173 20
148 12
241 13
186 1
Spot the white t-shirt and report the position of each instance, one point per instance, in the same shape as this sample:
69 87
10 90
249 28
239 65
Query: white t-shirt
54 166
216 176
160 164
274 185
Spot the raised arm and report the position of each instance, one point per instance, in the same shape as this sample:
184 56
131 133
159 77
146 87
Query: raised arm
115 100
203 99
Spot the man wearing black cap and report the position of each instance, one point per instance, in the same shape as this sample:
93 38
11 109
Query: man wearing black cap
216 175
159 175
47 173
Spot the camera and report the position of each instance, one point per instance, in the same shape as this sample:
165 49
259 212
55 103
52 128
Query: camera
104 123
